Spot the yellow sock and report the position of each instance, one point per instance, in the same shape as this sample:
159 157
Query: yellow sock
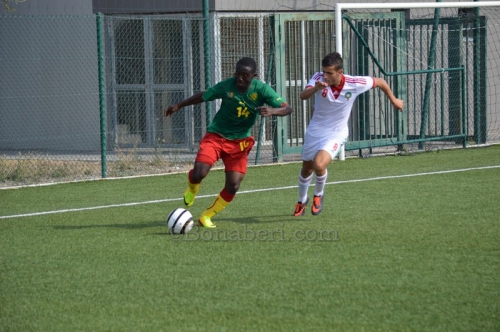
217 206
193 187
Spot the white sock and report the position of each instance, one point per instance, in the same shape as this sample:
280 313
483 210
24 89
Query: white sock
319 186
303 186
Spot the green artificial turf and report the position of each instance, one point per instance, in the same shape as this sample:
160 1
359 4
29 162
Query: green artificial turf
414 253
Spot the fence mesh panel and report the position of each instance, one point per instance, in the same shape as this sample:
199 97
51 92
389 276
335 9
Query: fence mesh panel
50 119
49 105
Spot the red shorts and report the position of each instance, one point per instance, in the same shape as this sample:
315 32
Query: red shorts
234 153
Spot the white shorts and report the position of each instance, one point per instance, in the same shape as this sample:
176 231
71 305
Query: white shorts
330 144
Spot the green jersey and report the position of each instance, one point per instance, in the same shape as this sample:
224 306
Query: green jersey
237 113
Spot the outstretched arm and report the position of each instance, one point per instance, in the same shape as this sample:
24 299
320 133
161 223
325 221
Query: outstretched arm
382 84
284 110
194 99
309 91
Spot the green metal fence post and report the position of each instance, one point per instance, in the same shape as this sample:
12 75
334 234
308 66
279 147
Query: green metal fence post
102 91
428 81
270 64
464 111
208 61
480 75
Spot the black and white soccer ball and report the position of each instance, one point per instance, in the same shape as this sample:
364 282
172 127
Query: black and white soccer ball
180 221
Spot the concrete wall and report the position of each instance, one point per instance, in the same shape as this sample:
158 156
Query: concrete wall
86 7
144 7
50 7
49 97
182 6
48 67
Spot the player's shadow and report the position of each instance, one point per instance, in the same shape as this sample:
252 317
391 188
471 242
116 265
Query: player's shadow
123 226
258 220
242 220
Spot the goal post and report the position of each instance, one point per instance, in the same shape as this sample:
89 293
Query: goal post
342 9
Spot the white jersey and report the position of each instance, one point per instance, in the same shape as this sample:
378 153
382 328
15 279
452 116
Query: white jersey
332 105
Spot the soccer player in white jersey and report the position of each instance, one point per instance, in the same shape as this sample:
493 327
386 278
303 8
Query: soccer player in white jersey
334 94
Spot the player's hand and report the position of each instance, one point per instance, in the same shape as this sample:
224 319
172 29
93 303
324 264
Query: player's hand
171 110
398 104
320 85
265 110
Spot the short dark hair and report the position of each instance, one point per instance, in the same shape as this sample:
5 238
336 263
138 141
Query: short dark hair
333 59
248 62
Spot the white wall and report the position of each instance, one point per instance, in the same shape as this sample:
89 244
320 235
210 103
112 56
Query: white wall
50 7
49 83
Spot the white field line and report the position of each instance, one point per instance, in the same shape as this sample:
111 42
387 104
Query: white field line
244 192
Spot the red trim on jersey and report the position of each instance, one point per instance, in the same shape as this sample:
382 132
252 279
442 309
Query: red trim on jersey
318 76
359 80
337 89
356 80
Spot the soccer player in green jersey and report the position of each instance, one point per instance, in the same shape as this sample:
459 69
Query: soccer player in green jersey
228 137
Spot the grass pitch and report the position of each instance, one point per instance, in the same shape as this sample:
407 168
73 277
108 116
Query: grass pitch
404 243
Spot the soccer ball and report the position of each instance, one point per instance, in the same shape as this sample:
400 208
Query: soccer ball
180 221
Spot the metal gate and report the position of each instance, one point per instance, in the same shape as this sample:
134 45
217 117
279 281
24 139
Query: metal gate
302 40
301 43
152 62
439 106
433 64
455 107
373 45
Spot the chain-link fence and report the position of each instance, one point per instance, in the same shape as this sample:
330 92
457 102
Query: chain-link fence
50 127
49 119
83 96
